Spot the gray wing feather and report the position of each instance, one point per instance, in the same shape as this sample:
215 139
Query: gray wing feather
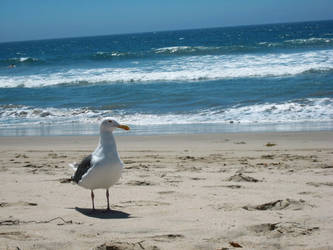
82 168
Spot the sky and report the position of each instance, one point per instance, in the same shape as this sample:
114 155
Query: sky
44 19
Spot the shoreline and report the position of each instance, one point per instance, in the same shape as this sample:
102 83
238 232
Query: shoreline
77 129
266 190
58 140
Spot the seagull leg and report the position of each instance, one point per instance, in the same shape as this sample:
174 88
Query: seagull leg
92 200
107 198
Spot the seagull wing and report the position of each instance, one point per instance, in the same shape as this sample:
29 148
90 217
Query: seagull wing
82 168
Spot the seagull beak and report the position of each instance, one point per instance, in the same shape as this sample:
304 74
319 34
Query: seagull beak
124 127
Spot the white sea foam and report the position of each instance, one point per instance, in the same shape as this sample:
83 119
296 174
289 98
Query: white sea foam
312 110
17 114
103 54
191 68
305 41
312 40
26 59
308 110
172 49
179 49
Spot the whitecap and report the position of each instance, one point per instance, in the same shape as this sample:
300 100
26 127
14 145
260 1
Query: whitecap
186 69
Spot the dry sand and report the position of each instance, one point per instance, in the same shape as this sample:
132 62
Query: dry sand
217 191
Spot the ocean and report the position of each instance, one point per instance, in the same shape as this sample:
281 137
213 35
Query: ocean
276 77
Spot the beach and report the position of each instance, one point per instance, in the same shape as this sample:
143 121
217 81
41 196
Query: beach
231 126
203 191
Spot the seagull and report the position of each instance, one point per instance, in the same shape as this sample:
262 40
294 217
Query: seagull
102 168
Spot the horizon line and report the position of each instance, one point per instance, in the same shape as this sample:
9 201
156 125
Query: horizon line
161 31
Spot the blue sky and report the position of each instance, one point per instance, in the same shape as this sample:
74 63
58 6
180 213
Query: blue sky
43 19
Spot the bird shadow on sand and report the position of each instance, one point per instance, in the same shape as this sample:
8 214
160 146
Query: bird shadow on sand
103 214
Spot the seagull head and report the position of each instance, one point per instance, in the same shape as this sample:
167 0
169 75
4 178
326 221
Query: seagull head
109 124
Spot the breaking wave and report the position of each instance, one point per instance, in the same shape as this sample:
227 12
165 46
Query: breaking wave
307 110
182 69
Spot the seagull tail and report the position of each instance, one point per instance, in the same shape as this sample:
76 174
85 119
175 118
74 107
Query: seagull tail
73 166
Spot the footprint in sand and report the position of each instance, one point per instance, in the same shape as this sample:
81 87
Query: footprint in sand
197 178
318 184
172 179
187 157
15 235
224 186
117 245
327 166
19 203
242 178
56 156
166 192
21 156
29 165
280 205
139 183
140 166
167 237
46 168
129 161
183 168
142 203
154 156
270 157
283 229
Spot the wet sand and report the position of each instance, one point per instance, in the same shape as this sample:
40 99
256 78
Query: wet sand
214 191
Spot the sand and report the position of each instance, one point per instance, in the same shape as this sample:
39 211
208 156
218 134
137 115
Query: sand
215 191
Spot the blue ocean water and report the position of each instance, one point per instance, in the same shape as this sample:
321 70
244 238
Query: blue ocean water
248 78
